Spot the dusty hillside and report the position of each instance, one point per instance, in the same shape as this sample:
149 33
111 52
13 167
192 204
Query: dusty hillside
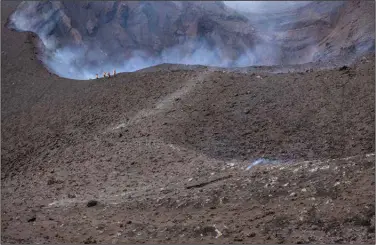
164 154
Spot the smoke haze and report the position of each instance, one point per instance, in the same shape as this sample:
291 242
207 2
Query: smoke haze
224 39
265 6
84 61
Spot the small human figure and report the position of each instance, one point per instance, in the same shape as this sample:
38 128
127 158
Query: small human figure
109 74
104 74
114 72
96 75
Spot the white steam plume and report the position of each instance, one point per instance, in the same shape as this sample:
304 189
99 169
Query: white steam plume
265 6
83 61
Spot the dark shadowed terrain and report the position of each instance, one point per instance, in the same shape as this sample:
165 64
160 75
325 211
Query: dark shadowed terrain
161 155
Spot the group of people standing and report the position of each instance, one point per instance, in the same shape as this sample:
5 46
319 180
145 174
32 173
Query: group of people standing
106 74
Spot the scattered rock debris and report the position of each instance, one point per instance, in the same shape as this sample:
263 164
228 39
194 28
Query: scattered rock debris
343 68
92 203
208 182
32 219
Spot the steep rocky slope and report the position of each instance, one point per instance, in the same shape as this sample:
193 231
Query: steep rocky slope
320 30
112 32
84 38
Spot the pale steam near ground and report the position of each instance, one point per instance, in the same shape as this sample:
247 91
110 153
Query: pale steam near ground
77 62
265 6
84 62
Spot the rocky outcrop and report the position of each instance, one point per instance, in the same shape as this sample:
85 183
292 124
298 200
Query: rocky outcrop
151 27
320 30
147 33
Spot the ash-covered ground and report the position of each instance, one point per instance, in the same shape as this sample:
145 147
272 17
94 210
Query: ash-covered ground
162 155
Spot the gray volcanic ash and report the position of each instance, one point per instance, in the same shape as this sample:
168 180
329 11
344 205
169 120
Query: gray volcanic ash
187 153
